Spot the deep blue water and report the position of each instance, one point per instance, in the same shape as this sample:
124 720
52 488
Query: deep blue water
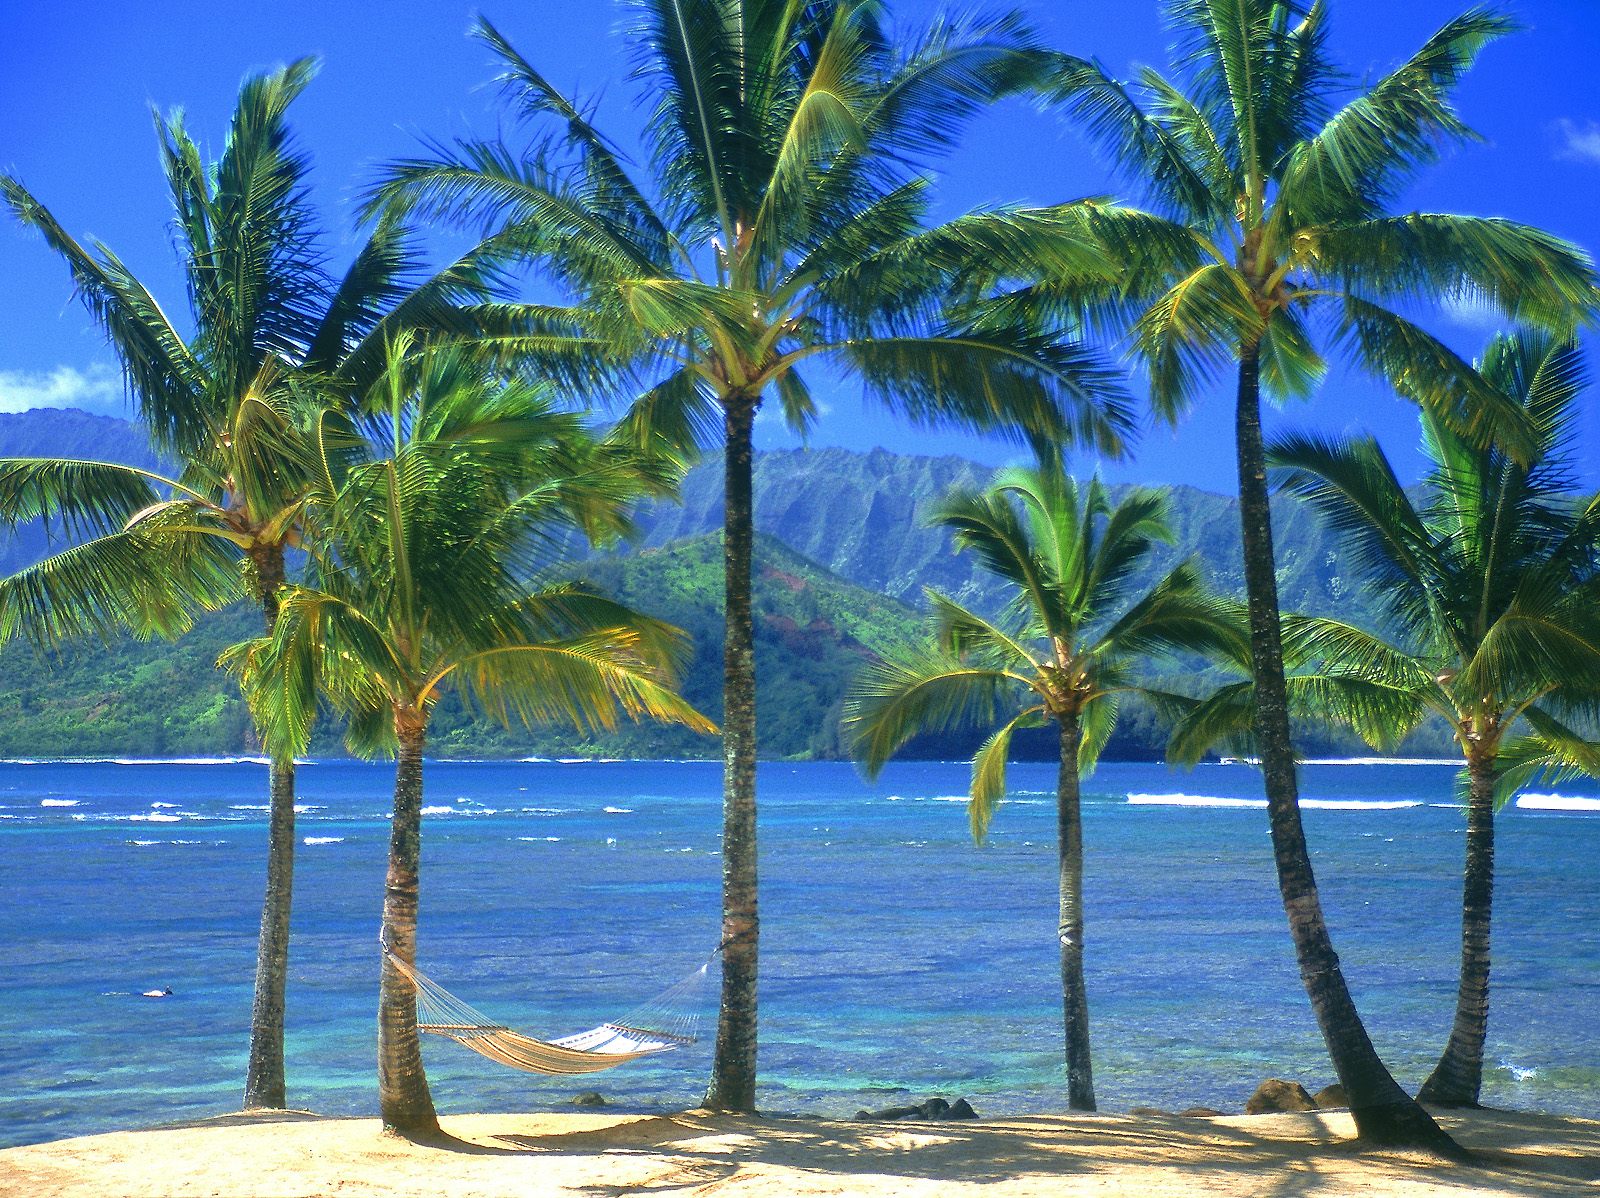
898 959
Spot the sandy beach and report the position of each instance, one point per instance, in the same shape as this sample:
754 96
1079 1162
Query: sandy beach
698 1153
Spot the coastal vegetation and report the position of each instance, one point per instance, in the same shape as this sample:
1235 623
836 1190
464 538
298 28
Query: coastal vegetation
401 479
814 626
784 225
234 401
1060 652
1277 182
1490 581
419 584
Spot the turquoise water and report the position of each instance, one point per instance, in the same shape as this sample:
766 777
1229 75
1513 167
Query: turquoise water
898 960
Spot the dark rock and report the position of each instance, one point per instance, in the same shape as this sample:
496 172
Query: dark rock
892 1112
1275 1096
1145 1112
1330 1097
933 1108
589 1098
1199 1112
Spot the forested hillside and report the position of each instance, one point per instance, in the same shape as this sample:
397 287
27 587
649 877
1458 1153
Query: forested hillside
843 557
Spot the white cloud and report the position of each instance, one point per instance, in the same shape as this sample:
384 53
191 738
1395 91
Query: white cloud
1580 140
1473 312
98 389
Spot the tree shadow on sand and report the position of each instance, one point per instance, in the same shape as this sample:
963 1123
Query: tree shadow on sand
1512 1153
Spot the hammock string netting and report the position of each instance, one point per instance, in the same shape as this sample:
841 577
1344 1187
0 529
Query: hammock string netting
669 1020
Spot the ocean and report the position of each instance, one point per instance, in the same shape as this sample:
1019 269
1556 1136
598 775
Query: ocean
899 961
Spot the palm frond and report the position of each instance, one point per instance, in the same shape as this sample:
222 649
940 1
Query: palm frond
913 691
1372 146
989 771
1550 752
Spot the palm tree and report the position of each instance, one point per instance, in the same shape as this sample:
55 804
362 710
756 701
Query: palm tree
1491 585
1062 653
273 335
1283 181
419 585
785 225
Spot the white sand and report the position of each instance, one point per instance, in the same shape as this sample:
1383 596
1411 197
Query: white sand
697 1153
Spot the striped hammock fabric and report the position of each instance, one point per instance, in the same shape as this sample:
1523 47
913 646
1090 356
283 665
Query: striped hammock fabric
668 1021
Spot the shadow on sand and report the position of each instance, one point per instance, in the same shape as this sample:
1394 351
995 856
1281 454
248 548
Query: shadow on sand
1512 1153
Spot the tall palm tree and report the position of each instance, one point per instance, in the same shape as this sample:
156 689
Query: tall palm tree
783 225
1283 179
271 334
1490 581
420 585
1062 653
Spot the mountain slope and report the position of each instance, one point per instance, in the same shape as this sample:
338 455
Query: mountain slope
843 554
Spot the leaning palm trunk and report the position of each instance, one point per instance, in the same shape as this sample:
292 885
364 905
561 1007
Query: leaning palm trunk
1383 1112
1458 1077
1074 998
733 1072
264 1075
403 1097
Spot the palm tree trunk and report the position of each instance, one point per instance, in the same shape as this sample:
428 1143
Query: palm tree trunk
1074 998
1458 1077
264 1084
1383 1112
733 1069
403 1098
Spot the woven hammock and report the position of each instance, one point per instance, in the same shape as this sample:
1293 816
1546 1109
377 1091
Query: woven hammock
670 1020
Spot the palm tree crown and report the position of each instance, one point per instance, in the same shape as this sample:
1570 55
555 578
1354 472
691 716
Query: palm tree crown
1284 178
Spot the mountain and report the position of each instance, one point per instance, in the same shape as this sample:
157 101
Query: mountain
865 516
843 553
63 433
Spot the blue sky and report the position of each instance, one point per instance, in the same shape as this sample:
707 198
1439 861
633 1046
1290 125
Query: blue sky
77 84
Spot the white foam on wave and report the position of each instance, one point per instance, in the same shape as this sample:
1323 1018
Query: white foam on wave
248 807
1450 761
546 810
323 840
540 839
1537 802
1360 804
438 809
155 817
188 761
1518 1072
1256 761
160 804
928 798
1183 800
59 802
619 810
1187 800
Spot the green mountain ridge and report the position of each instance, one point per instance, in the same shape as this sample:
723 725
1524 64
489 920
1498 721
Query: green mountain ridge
843 554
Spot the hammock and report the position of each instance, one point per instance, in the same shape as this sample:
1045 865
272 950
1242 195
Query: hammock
670 1020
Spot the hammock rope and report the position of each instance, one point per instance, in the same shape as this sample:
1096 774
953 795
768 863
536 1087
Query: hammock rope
669 1020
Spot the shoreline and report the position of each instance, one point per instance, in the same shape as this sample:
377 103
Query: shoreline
301 1153
256 759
